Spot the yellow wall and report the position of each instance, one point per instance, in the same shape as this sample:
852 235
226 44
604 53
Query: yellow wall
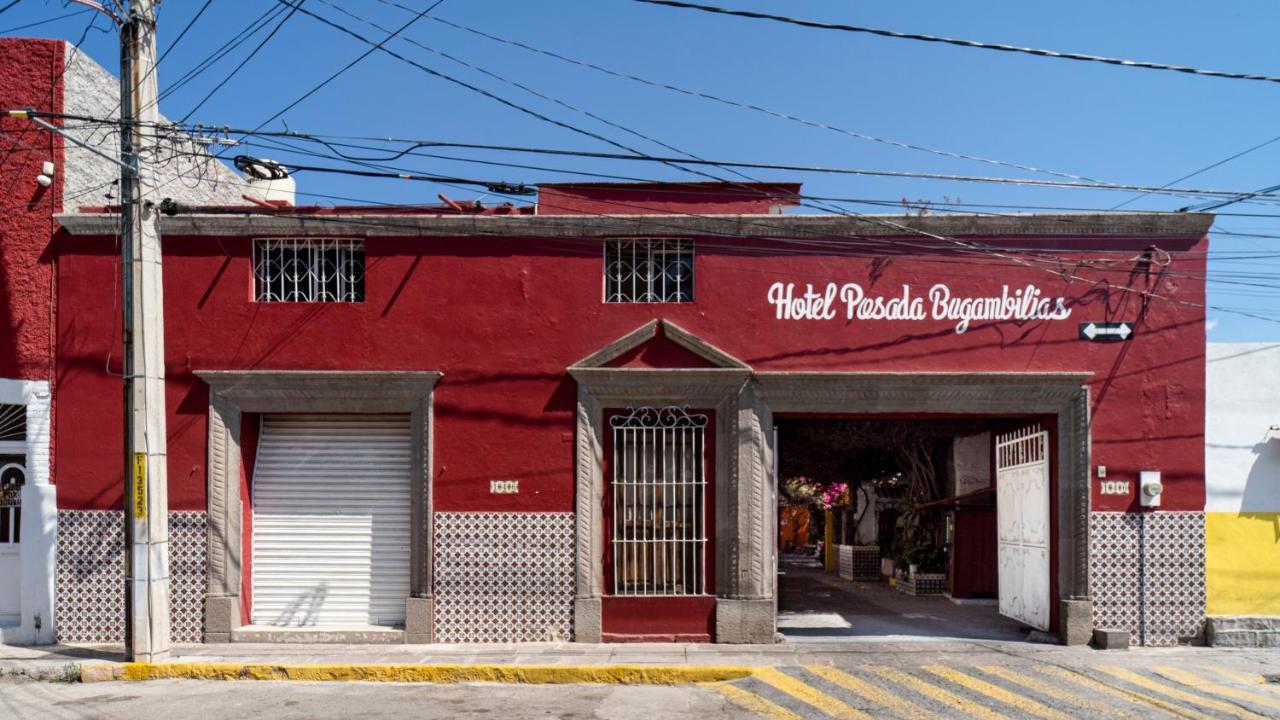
831 557
1242 563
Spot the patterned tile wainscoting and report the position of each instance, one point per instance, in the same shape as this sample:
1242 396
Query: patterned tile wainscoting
90 583
503 577
1147 575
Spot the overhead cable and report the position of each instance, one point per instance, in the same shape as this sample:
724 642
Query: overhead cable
751 106
243 62
964 43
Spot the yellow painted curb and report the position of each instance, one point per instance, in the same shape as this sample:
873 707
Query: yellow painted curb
532 674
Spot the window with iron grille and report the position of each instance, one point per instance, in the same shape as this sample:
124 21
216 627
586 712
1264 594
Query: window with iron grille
648 271
13 472
658 502
308 270
13 475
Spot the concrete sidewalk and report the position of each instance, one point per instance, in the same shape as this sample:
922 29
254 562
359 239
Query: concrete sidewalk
68 662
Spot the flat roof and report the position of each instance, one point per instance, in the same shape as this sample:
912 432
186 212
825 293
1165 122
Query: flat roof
252 222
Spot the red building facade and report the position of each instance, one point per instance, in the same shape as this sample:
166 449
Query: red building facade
464 388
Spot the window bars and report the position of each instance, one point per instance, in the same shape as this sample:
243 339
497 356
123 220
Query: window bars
13 422
648 271
659 502
308 270
12 477
1024 446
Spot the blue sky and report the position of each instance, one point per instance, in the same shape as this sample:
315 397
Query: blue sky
1109 123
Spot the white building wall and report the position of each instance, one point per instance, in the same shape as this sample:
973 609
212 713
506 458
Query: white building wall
38 546
1242 388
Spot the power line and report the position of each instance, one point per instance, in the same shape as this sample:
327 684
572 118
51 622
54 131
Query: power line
328 140
214 57
530 90
243 62
750 106
492 96
1204 169
316 88
176 41
774 166
45 22
952 243
963 43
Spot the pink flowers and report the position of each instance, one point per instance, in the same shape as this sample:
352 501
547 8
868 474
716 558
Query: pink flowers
835 495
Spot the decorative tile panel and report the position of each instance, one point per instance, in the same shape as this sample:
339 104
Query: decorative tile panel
1147 575
860 562
503 577
90 582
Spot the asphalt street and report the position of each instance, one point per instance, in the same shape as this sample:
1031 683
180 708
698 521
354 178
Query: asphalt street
212 700
986 690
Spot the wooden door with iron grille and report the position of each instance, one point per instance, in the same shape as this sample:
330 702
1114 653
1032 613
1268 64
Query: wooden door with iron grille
659 535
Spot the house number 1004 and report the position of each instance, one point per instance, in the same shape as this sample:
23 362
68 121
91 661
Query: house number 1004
1115 487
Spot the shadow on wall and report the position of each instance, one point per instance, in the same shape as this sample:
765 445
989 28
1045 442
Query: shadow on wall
1261 498
303 610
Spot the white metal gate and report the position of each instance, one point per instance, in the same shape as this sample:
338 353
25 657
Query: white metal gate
331 520
1022 515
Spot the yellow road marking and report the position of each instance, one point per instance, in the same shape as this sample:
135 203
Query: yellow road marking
1078 700
1177 694
1235 675
1200 683
1122 693
946 697
871 692
806 694
754 703
1024 704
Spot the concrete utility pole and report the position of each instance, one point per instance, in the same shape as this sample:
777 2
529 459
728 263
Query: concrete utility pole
146 478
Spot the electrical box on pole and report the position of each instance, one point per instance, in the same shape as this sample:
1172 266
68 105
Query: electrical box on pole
146 476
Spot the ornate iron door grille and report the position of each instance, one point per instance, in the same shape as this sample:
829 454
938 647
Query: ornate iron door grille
13 472
659 502
308 270
648 271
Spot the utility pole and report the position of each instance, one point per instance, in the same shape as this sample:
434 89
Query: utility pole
146 454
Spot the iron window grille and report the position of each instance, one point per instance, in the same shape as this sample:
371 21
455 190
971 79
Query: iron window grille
13 422
13 475
308 270
648 271
658 499
13 471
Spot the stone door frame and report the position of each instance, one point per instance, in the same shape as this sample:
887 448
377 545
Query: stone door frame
745 402
1061 395
235 392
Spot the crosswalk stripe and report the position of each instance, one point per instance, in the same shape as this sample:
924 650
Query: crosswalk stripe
1122 693
946 697
1079 700
1199 683
754 703
1235 675
1175 693
806 694
1024 704
871 692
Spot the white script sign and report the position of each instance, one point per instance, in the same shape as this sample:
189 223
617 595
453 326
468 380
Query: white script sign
1022 304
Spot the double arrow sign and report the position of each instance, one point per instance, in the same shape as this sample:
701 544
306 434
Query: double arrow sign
1105 332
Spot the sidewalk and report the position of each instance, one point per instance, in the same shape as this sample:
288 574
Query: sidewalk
68 662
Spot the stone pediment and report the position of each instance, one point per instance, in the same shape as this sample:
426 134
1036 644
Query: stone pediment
660 345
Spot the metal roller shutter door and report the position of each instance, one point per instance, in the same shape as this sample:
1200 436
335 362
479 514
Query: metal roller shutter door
331 521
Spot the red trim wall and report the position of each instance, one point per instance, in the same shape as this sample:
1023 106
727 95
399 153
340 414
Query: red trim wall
503 318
